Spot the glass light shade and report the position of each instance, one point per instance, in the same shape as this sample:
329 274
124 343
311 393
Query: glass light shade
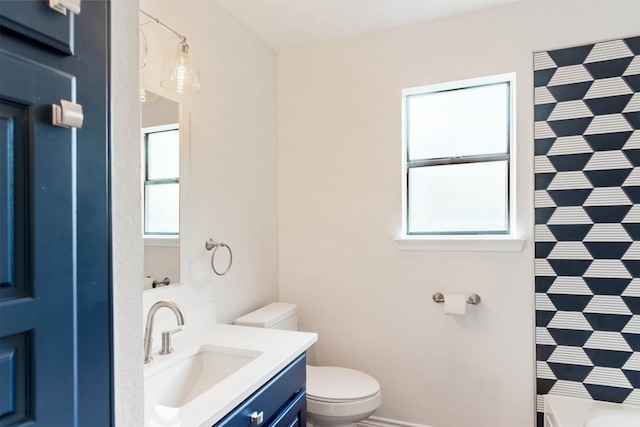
181 73
142 53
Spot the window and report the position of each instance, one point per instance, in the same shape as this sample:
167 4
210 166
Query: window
161 154
457 144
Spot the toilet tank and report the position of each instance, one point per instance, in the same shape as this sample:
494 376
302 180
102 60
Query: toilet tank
278 315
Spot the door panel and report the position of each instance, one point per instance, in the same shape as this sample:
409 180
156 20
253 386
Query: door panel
56 361
13 235
15 353
14 367
37 321
35 20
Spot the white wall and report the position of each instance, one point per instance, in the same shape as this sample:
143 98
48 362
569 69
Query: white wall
340 208
126 227
231 184
160 112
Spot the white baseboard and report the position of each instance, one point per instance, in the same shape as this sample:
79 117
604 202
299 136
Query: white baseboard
386 422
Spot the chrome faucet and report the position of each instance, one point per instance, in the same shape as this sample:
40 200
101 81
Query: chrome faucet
166 344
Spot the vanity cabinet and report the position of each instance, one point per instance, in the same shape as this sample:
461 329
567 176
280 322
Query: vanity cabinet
280 402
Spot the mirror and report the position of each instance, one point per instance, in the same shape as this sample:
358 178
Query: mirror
160 154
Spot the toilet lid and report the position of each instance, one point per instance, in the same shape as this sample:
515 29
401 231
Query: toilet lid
331 383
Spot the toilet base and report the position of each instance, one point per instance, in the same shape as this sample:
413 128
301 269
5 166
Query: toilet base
316 420
326 414
334 425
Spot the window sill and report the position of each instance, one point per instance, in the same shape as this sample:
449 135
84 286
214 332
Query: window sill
162 241
460 243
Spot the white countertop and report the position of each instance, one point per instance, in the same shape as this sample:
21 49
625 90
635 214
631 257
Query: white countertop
278 348
564 411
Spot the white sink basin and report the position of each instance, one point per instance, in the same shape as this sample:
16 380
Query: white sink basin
611 418
190 375
182 391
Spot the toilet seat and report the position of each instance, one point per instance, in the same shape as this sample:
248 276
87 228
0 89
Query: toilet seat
331 384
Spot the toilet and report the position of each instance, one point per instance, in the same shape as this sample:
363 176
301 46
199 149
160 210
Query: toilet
337 397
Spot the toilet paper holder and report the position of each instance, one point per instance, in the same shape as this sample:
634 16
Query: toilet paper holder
473 299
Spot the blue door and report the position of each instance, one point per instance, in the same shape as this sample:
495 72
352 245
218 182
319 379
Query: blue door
55 286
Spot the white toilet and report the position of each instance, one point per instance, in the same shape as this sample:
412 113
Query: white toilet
337 397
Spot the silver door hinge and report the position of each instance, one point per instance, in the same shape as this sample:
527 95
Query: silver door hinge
67 114
61 6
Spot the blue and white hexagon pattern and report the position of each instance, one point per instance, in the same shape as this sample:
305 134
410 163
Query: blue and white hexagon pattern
587 221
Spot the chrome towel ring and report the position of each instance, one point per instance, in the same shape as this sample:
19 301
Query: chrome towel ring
212 244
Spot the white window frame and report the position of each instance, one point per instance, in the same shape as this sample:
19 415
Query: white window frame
153 239
467 241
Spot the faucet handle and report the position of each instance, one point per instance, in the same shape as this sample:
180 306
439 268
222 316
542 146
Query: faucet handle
166 341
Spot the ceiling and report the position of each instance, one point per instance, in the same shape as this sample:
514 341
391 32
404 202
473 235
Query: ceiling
288 24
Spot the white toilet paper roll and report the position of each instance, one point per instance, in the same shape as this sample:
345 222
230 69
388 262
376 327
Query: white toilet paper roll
455 304
148 282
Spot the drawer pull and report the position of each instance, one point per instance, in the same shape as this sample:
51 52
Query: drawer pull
257 417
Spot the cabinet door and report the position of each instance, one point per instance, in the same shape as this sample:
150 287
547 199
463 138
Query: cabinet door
37 321
38 22
55 356
294 414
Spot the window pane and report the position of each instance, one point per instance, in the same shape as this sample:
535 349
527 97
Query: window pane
463 198
162 201
163 151
461 122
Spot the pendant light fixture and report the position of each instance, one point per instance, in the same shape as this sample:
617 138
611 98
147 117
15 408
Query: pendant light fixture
180 73
145 95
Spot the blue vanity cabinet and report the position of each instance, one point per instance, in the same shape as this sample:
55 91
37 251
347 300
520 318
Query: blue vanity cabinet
281 402
294 414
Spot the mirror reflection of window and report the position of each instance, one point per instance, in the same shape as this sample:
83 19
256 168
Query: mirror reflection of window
161 180
160 147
